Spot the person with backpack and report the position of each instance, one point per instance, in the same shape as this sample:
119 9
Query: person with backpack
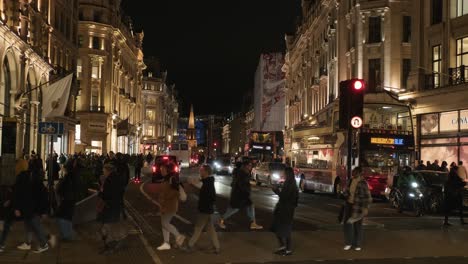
206 204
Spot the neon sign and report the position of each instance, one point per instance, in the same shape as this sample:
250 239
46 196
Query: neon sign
387 141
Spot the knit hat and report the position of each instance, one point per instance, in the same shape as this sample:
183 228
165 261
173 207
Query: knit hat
21 165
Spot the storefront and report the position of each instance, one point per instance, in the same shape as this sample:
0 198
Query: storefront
443 136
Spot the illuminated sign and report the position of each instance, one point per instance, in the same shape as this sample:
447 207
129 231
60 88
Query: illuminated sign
387 141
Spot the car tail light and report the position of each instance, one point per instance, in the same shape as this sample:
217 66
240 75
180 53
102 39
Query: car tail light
154 169
176 169
165 158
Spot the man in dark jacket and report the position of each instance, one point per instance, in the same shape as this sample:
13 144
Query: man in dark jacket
453 195
206 203
240 196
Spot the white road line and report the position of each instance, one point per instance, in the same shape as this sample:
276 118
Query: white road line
157 204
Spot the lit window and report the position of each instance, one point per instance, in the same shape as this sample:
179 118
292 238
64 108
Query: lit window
150 115
462 7
436 65
149 131
79 68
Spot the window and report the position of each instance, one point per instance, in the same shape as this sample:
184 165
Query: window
375 29
79 68
462 7
96 43
97 16
80 41
405 70
436 10
406 29
374 75
94 97
96 70
436 65
462 51
149 131
150 115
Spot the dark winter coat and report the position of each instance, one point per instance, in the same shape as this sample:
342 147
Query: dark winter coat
111 196
66 192
30 196
361 202
207 196
7 212
240 192
283 214
453 190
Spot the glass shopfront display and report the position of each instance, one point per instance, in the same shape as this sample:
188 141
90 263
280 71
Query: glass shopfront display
444 136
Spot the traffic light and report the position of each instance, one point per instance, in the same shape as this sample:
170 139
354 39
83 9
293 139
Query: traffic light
214 144
351 101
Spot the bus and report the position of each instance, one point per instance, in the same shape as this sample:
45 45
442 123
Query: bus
266 145
384 144
181 150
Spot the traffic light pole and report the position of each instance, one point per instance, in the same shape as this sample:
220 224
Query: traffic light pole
350 153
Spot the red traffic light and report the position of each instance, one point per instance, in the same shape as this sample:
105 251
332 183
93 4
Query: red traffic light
358 85
214 144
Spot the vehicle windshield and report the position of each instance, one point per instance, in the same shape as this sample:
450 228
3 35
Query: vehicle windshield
277 166
387 116
224 162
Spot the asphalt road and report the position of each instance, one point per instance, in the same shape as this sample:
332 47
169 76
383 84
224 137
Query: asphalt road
317 235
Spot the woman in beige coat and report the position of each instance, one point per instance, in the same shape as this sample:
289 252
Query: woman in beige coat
169 203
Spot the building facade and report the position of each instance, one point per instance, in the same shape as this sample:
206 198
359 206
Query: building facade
336 41
160 111
110 70
438 83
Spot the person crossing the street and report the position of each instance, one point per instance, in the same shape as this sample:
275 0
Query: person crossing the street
240 197
206 204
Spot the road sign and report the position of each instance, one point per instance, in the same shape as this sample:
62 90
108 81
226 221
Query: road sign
356 122
51 128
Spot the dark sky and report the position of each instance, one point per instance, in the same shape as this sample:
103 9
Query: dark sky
211 48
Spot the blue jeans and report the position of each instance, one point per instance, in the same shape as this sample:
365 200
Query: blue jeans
249 209
65 228
33 225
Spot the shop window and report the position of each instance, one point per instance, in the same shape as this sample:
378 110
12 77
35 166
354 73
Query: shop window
448 122
429 124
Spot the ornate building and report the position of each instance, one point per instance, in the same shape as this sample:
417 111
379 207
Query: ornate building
37 45
339 40
109 68
160 110
438 83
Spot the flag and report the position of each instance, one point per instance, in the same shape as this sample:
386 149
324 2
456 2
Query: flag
55 97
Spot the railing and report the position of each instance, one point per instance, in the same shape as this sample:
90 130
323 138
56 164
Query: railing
96 108
458 75
431 81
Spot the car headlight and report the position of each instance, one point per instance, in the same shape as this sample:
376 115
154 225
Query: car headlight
216 164
411 194
420 195
275 176
414 185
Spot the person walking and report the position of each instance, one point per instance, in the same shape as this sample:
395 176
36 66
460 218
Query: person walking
206 202
283 214
453 196
356 207
66 192
30 201
169 203
110 210
462 172
240 197
138 165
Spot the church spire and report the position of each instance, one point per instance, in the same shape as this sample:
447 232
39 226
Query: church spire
191 122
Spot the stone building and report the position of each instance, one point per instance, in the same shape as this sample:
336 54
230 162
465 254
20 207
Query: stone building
438 83
340 40
109 69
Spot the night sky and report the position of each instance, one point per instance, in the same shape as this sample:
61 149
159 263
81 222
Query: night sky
211 48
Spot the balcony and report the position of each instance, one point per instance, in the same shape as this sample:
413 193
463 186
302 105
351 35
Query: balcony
97 108
458 75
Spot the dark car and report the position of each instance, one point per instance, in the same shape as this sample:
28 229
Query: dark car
163 159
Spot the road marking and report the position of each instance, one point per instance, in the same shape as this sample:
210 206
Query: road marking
157 204
147 246
335 205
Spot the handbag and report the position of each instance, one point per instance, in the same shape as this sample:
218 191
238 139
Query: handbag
182 193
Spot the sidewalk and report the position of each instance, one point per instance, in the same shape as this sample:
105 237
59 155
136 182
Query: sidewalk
84 250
